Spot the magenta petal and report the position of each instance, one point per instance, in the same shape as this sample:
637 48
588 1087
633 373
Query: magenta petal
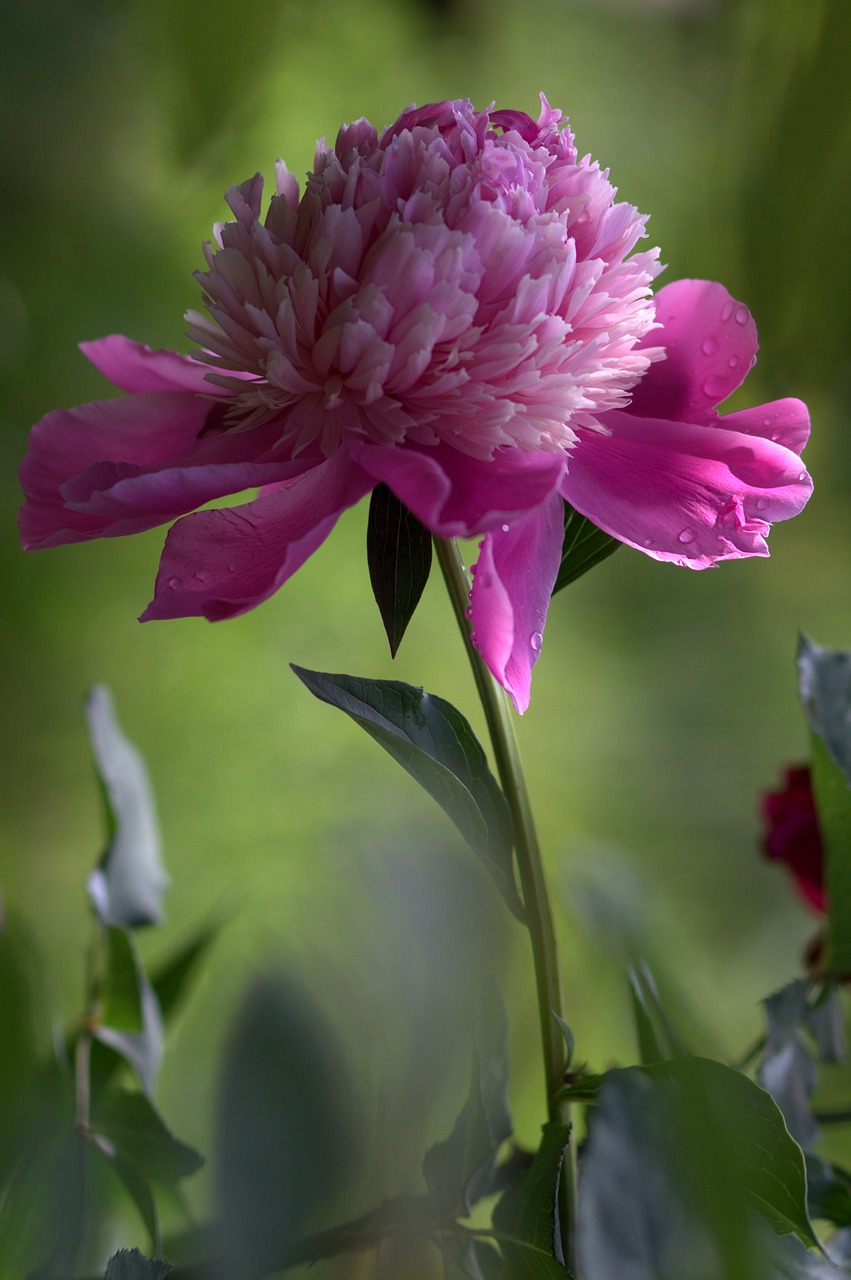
134 367
710 344
786 422
217 564
512 585
456 496
144 431
686 493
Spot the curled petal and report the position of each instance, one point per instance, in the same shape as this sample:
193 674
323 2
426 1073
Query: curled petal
142 431
786 422
217 564
512 585
134 367
710 344
456 496
690 494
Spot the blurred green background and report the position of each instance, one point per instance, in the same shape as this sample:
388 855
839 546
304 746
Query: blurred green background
664 701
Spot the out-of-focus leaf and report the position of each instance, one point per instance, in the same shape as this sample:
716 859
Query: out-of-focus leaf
20 973
398 550
127 886
171 978
459 1171
825 690
466 1259
787 1070
131 1022
285 1143
828 1191
130 1264
584 546
657 1039
433 742
130 1124
824 686
528 1212
825 1023
140 1192
42 1209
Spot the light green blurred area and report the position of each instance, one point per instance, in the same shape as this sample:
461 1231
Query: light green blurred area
664 701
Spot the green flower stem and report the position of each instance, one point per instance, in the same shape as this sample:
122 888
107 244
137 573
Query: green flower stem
533 885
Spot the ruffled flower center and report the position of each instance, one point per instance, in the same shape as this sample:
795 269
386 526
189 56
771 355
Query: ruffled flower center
463 279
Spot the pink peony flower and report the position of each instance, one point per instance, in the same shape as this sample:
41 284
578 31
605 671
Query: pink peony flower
792 835
454 309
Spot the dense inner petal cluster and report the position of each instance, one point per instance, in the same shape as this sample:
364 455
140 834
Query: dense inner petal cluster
461 279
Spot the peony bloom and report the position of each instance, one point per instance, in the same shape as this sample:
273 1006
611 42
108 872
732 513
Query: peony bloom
455 309
792 834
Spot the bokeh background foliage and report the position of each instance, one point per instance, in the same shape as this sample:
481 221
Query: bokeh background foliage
664 700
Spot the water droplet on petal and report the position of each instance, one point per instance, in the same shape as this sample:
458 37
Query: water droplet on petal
174 583
204 575
487 579
505 528
727 311
535 641
803 476
709 346
648 542
468 613
733 362
473 568
714 388
231 568
742 315
761 504
686 535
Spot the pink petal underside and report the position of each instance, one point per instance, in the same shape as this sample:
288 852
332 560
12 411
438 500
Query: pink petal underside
710 344
145 431
683 492
456 496
786 422
134 367
217 564
513 582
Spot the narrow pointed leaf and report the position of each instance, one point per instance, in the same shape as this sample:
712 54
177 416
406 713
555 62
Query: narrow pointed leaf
459 1171
526 1218
433 742
656 1035
584 547
130 1124
398 552
466 1259
172 977
127 886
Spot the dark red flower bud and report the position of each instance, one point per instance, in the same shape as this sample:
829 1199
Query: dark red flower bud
792 836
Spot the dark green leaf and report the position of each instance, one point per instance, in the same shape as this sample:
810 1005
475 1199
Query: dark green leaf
127 886
828 1191
833 802
825 691
460 1170
584 546
528 1213
130 1264
398 552
436 746
285 1142
130 1022
140 1192
764 1160
20 982
130 1124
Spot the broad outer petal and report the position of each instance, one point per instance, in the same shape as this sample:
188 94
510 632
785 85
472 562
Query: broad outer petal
456 496
681 492
710 344
217 564
134 367
143 430
512 584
